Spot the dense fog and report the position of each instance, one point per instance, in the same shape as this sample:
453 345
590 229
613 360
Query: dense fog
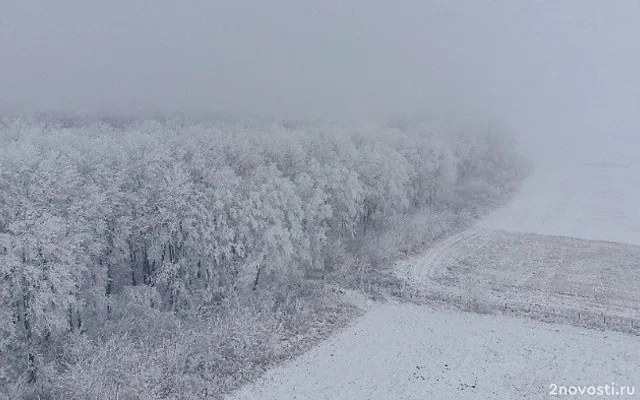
194 192
556 72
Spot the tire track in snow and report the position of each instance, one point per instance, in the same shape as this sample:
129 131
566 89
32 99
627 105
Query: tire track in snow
488 271
424 268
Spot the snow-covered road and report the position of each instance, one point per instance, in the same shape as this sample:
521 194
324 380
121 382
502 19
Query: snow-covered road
401 351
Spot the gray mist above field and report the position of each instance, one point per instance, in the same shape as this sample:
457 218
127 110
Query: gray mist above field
563 74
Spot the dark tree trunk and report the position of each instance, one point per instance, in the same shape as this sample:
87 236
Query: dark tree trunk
257 279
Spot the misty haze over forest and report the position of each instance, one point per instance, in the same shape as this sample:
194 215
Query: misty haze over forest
565 70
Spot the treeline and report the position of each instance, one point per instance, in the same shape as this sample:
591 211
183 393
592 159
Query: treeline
101 220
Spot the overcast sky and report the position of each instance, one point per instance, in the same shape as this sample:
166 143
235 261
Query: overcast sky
546 66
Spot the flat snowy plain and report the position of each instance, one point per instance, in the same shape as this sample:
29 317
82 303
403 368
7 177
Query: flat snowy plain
551 288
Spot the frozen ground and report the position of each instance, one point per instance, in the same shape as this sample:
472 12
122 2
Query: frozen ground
581 282
598 200
563 253
414 352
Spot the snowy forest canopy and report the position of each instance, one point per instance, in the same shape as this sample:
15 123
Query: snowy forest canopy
105 221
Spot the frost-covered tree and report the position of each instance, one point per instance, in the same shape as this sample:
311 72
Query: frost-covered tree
120 230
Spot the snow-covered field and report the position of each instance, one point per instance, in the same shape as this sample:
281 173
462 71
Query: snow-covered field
564 252
589 199
413 352
551 278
